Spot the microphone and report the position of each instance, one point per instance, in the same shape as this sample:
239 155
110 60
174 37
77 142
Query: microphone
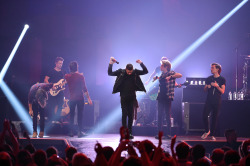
115 61
155 78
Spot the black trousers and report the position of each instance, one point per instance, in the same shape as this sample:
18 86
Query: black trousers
53 102
164 106
213 109
80 108
37 108
127 105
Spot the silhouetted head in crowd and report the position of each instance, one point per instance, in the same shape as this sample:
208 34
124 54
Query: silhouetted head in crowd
54 160
30 148
217 156
182 150
132 161
244 148
248 160
202 162
80 159
40 158
231 157
70 151
5 159
107 152
197 152
23 158
51 151
149 147
168 161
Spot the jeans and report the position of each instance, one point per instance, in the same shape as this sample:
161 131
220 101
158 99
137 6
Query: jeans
37 108
164 106
80 108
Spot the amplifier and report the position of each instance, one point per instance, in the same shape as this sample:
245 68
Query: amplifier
194 94
192 116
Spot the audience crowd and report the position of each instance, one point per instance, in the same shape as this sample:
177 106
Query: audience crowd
13 154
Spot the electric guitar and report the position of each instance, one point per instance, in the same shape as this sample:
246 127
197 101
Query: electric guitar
154 92
61 86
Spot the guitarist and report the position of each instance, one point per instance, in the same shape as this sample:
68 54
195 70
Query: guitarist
55 103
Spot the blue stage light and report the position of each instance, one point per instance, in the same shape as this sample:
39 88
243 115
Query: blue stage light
181 57
20 110
7 64
18 107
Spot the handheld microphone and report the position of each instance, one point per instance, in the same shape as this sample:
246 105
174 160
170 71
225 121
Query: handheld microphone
115 61
156 77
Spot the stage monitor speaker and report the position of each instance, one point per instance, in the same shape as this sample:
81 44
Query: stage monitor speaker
90 114
192 116
194 94
45 143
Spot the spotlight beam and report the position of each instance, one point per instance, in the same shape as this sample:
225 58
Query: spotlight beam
7 64
20 110
181 57
18 107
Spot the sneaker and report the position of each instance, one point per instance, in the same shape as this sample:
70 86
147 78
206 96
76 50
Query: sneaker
213 138
204 136
41 134
131 136
34 134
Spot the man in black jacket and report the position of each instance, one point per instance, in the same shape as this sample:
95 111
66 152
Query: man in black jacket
128 81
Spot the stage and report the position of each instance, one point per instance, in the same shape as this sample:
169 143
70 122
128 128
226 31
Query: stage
86 144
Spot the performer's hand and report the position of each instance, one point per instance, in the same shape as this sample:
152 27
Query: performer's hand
112 60
139 61
208 86
215 84
168 78
31 112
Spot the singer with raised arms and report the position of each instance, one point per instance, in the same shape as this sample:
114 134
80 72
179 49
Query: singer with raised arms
127 82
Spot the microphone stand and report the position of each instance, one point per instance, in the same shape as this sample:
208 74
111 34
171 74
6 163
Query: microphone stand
236 77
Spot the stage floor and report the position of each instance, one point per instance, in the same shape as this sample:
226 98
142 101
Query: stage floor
86 144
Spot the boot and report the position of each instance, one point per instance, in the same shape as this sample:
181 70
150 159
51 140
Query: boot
41 134
34 134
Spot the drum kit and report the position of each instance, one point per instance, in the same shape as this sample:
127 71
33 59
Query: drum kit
147 112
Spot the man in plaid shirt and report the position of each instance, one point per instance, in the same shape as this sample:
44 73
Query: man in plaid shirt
166 95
